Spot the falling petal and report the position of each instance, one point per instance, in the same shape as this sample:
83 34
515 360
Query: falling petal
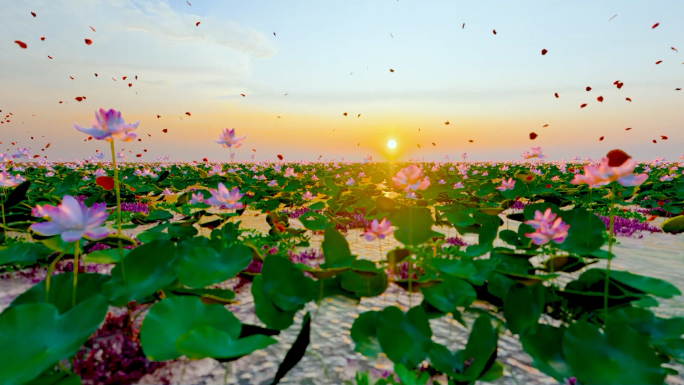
88 41
533 136
583 105
544 51
21 44
655 25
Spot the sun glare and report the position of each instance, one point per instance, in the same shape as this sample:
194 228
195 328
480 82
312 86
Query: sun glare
391 144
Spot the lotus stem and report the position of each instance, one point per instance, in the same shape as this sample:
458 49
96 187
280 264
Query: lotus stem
610 254
118 211
77 251
49 272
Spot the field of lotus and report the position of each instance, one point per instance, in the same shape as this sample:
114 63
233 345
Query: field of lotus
121 273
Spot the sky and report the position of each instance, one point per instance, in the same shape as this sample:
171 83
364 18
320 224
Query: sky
331 57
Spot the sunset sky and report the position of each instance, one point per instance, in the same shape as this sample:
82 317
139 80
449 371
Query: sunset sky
493 89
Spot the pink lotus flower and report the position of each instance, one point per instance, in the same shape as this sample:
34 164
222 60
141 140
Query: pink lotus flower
109 125
620 168
196 198
411 178
7 180
41 211
289 173
506 184
307 196
378 230
226 198
547 229
535 152
350 182
539 218
99 172
228 139
458 185
216 169
72 220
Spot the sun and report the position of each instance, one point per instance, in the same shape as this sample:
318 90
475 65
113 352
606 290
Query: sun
391 144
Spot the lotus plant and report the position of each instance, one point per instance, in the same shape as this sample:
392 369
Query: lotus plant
71 220
616 166
227 139
109 125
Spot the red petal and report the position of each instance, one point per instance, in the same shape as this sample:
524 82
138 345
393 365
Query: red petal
165 130
600 99
588 88
21 44
544 51
88 41
533 136
105 182
617 158
583 105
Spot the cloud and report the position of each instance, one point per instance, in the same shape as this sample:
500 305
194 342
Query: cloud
156 17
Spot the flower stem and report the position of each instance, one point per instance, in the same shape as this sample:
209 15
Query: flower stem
4 230
610 254
75 268
51 268
118 211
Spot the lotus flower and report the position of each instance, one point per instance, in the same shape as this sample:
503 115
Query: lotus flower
41 211
539 218
72 220
506 184
615 166
350 182
307 196
289 173
411 178
458 185
547 229
145 172
217 169
22 153
7 180
109 125
99 172
228 139
378 230
535 152
196 198
229 199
